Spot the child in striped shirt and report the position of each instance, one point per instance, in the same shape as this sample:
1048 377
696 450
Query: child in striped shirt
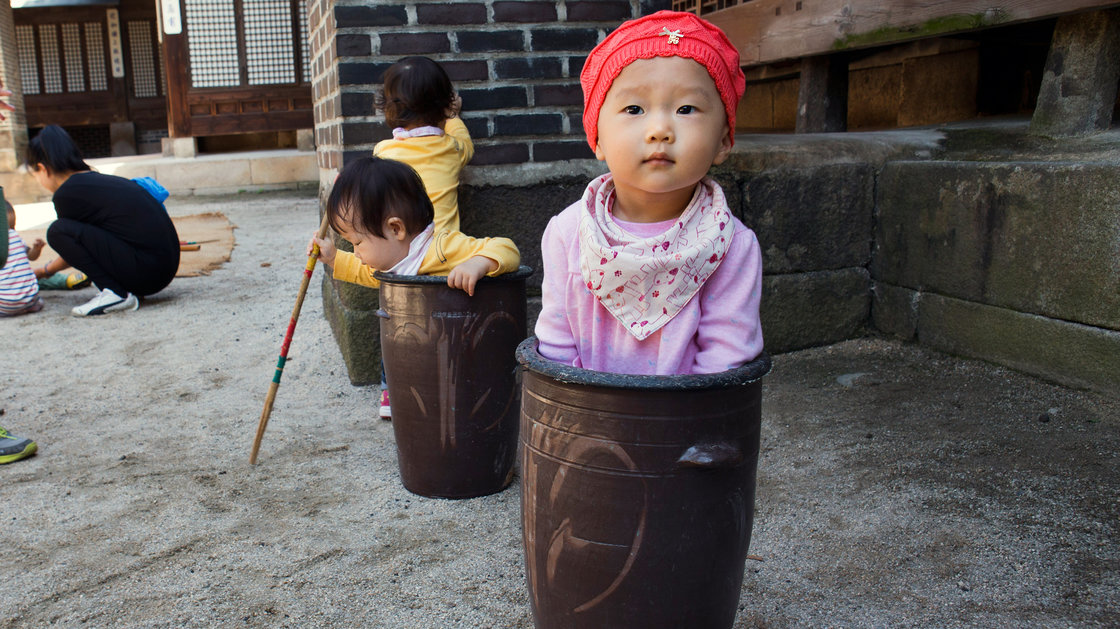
19 290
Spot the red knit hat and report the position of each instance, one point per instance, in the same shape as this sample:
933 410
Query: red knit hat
663 34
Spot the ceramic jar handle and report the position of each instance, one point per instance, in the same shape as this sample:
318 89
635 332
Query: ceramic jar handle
711 456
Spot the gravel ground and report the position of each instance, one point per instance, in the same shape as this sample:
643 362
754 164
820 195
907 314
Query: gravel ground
897 486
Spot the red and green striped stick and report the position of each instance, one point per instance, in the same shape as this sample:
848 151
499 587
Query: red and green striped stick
307 271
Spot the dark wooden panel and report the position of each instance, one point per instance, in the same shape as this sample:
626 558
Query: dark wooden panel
223 125
86 108
249 110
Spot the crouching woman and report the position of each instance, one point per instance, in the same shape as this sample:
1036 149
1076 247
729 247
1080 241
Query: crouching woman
108 227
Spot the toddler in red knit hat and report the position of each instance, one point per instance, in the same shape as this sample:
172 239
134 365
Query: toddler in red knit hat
650 272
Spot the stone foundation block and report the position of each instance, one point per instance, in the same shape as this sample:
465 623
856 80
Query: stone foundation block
518 213
802 310
351 311
810 219
1068 353
1035 237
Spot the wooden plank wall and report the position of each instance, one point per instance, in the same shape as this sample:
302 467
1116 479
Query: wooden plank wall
767 31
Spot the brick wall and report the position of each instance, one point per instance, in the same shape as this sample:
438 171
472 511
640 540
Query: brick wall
13 130
324 87
516 65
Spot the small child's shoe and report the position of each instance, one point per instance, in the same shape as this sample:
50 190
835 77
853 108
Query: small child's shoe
65 281
56 281
77 280
386 412
14 448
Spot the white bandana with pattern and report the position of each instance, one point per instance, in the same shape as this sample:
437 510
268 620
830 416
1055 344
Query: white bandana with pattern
644 282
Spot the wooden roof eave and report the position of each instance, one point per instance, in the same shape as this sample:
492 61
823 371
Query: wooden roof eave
769 31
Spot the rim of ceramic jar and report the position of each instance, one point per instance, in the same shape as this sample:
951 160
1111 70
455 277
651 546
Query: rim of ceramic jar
521 273
530 358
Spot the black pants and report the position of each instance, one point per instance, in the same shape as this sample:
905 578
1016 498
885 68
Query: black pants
111 262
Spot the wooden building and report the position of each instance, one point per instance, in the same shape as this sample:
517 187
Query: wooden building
121 75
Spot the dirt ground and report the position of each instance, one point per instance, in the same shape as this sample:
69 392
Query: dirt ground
897 486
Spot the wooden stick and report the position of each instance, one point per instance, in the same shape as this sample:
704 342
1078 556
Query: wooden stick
307 272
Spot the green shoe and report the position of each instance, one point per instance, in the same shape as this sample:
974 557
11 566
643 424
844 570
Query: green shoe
56 281
14 448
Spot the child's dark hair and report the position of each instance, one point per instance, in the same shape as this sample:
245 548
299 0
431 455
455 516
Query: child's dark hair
371 190
53 148
415 90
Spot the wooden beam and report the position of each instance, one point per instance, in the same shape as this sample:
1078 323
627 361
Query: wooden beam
766 31
822 99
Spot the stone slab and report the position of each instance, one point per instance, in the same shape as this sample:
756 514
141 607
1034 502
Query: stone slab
275 169
1067 353
357 333
519 213
1040 238
813 218
802 310
195 174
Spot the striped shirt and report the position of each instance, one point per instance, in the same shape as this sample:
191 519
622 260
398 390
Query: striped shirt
18 286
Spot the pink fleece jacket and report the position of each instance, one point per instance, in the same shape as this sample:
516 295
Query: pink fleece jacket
717 330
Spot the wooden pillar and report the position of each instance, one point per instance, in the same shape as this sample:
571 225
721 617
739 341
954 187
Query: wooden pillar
1082 72
822 99
176 64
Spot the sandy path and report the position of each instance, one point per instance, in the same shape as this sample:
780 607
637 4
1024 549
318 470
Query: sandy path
140 507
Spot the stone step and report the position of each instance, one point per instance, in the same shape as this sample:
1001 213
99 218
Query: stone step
221 173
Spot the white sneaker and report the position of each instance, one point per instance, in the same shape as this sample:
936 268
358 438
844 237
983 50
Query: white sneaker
106 301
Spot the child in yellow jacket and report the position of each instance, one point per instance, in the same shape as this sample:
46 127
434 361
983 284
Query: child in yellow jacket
421 105
380 206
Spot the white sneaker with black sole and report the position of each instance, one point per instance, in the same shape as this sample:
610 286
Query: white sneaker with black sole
105 302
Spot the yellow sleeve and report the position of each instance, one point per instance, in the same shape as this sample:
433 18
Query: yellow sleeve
452 248
455 128
348 268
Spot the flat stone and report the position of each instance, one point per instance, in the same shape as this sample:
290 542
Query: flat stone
1063 352
195 174
802 310
274 169
1036 237
812 218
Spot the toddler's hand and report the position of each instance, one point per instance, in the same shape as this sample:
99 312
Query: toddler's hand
35 248
456 106
467 274
327 250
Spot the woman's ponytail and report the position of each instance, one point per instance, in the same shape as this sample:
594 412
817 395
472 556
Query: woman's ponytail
54 148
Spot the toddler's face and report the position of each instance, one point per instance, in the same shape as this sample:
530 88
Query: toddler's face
662 125
379 253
